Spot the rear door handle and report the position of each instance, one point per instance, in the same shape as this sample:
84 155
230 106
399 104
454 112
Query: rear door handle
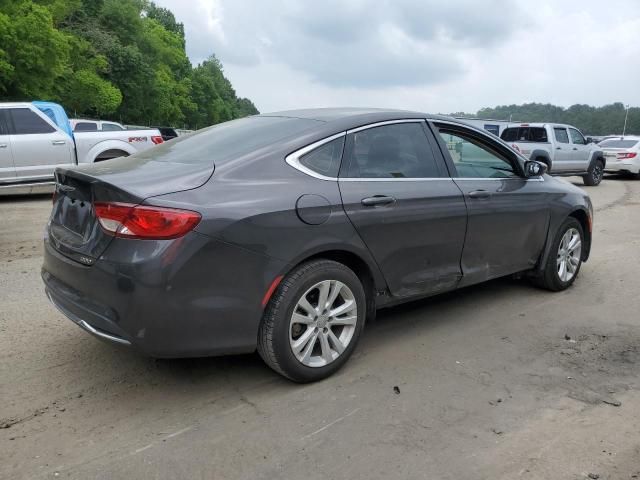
479 194
3 145
377 200
58 142
558 148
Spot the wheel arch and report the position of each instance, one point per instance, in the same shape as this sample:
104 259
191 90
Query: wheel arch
542 155
111 153
583 217
363 270
595 156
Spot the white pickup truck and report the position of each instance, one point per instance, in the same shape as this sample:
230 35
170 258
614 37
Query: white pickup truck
36 137
562 147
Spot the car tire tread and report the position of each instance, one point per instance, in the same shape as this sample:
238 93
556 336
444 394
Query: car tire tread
275 312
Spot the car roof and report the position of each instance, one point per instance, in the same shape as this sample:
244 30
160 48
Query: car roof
349 117
621 137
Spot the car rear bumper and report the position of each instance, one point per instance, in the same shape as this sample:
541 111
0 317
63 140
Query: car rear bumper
629 165
194 296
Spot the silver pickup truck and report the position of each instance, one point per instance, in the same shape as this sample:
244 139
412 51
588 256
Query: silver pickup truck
562 147
36 137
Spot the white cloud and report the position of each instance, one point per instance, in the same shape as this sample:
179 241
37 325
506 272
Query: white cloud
435 56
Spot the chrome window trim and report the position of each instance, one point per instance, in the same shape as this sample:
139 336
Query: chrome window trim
293 159
537 179
392 179
386 122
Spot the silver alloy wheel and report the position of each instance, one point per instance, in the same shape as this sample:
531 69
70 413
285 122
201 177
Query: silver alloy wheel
323 323
569 254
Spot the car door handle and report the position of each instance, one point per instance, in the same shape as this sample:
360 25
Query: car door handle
3 145
575 148
377 200
479 194
558 148
58 142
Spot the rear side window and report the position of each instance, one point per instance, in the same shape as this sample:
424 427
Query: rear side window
399 150
111 127
525 134
27 122
85 127
561 135
618 143
325 159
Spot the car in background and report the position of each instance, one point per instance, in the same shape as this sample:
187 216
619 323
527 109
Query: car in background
622 154
285 232
563 148
36 138
81 125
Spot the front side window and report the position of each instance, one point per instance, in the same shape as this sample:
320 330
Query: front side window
576 137
27 122
474 159
325 159
561 135
399 150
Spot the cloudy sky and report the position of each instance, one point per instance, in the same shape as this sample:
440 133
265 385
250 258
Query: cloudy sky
437 56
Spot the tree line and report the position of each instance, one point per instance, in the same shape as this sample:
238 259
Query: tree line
605 120
121 60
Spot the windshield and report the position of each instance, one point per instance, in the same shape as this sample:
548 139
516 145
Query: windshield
524 134
226 141
618 143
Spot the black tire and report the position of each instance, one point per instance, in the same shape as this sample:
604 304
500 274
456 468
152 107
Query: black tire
550 278
595 174
274 334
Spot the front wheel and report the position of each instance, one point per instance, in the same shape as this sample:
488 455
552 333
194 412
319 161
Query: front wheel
565 257
313 321
595 174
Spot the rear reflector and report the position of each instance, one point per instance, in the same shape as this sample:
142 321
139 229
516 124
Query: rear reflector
270 290
156 139
145 222
626 155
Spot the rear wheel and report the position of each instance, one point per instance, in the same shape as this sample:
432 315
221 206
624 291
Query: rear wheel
313 321
565 258
595 174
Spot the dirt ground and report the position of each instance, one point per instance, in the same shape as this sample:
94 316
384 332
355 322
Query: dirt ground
488 386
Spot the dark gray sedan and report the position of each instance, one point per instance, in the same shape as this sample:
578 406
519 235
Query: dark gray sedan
285 232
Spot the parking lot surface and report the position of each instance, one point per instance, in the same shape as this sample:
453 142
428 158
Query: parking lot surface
498 381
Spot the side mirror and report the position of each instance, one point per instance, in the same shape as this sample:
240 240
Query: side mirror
534 169
589 140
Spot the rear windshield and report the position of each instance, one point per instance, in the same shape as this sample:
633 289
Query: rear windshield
618 143
227 141
524 134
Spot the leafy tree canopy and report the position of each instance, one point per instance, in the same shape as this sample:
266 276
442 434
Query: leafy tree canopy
605 120
121 60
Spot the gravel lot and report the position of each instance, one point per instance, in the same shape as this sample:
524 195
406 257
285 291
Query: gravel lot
488 386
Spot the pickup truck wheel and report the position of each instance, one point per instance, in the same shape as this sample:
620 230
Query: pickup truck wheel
565 257
313 321
595 174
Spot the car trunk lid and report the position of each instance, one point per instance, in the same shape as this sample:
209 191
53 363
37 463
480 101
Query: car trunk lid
73 228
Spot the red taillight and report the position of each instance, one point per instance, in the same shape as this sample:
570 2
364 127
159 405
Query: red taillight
156 139
626 155
145 222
